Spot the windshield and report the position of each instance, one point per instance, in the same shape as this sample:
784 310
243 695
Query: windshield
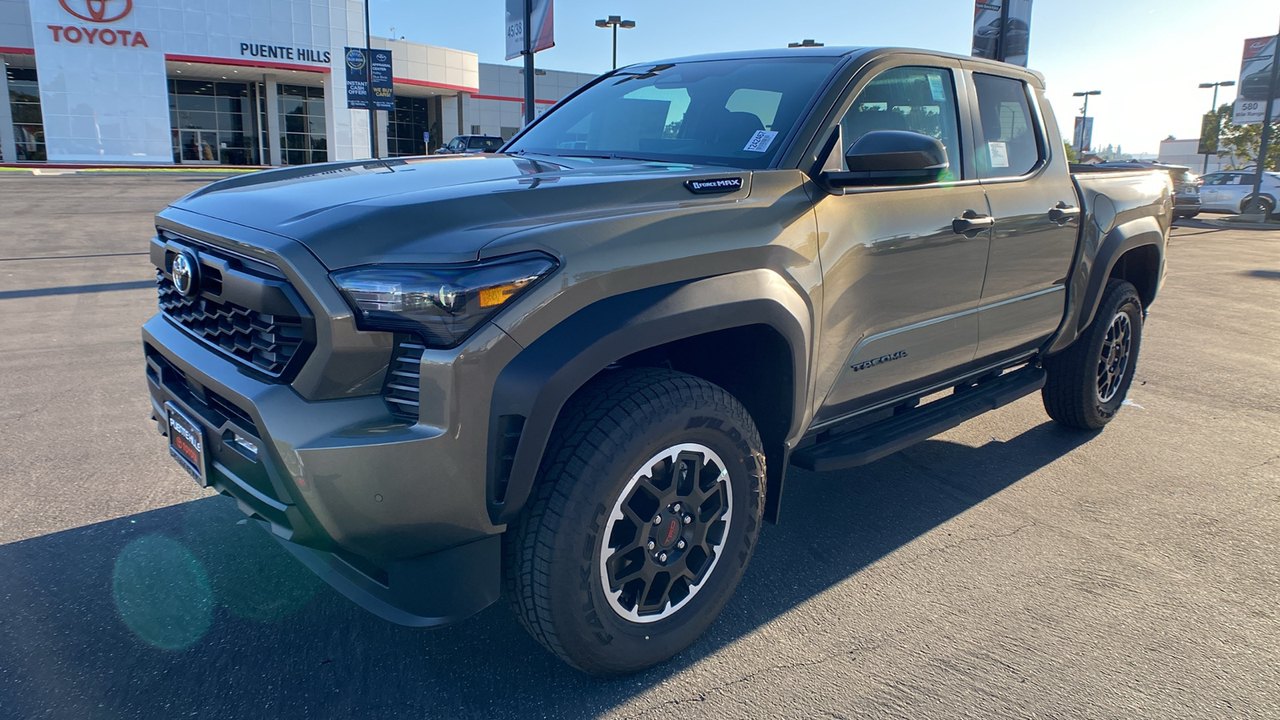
719 112
484 143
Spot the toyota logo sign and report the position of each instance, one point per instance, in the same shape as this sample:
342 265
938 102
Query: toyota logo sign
184 274
98 11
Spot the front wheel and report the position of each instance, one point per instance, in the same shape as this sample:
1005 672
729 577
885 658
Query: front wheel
647 509
1087 382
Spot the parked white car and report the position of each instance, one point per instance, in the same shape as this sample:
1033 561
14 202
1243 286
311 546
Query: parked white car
1228 191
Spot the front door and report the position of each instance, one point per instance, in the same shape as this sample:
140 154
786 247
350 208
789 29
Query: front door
198 147
901 277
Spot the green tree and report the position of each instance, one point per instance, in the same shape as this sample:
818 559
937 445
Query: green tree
1071 152
1244 141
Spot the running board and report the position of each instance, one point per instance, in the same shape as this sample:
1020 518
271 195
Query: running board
884 438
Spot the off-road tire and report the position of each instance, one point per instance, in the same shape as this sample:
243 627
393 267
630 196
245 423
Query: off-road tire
1072 394
554 577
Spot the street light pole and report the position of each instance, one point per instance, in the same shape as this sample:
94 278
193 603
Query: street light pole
615 22
528 63
1084 122
368 75
1256 205
1213 108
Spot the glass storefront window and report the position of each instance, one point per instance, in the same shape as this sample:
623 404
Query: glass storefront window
302 120
28 123
214 122
412 117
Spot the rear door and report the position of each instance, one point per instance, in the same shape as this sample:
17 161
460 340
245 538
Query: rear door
1036 215
901 285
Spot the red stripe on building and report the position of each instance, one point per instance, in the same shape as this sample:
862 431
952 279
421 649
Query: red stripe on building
238 62
17 51
442 86
504 98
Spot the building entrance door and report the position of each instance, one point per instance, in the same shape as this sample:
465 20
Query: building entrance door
198 147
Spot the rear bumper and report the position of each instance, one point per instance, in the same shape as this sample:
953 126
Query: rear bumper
365 501
1183 204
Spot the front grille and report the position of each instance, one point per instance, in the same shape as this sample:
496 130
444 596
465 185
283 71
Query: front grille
401 391
265 341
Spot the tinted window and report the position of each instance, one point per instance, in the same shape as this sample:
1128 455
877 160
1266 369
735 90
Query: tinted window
724 112
918 99
1008 146
484 143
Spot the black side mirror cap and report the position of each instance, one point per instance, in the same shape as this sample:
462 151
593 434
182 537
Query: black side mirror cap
891 157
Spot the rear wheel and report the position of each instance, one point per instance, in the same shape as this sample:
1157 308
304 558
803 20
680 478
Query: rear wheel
1268 205
1087 383
647 509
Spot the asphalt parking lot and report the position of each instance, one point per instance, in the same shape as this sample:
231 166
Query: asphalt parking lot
1007 568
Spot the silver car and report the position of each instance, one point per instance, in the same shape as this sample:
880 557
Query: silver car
1228 191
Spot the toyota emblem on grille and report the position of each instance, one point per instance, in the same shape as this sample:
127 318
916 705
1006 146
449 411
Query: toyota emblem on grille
184 274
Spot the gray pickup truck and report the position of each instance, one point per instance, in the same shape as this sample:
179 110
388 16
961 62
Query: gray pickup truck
576 371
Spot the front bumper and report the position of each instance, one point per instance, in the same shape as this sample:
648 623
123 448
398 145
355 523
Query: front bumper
339 483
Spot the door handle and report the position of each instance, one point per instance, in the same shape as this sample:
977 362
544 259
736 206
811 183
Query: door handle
1063 212
971 223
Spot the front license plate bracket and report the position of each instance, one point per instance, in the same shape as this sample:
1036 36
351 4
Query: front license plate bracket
186 443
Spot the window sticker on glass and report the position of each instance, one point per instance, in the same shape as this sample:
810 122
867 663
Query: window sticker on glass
999 154
935 87
760 141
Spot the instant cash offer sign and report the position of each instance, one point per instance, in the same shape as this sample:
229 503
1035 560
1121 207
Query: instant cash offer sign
369 79
1255 81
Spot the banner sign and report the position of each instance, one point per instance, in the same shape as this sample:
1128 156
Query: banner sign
357 62
1255 81
1002 30
1082 139
543 26
384 96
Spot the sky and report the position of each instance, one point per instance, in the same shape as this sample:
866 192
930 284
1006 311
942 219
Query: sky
1146 56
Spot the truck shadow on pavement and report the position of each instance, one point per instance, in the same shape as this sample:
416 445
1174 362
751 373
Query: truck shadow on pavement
188 611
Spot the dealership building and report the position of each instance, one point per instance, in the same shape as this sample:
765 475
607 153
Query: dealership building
233 82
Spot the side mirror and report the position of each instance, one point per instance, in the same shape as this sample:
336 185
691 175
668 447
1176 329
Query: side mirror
891 157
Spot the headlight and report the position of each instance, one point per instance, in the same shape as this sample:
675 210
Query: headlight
442 303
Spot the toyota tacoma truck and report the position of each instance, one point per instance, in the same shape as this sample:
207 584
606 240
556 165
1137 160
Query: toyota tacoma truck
575 372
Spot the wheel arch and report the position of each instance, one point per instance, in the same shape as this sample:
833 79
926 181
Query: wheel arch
1132 251
671 326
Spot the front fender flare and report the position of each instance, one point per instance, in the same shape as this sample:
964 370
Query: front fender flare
538 382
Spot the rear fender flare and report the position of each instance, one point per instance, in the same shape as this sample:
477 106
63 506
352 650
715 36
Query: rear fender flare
1090 275
538 382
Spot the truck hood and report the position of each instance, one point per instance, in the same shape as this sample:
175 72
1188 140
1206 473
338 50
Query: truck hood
444 209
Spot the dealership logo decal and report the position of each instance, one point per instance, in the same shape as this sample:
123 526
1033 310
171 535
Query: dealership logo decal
98 11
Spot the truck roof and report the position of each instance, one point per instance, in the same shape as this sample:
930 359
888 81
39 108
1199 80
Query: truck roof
867 53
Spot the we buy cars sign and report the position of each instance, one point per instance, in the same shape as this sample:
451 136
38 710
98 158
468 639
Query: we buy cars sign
1255 82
